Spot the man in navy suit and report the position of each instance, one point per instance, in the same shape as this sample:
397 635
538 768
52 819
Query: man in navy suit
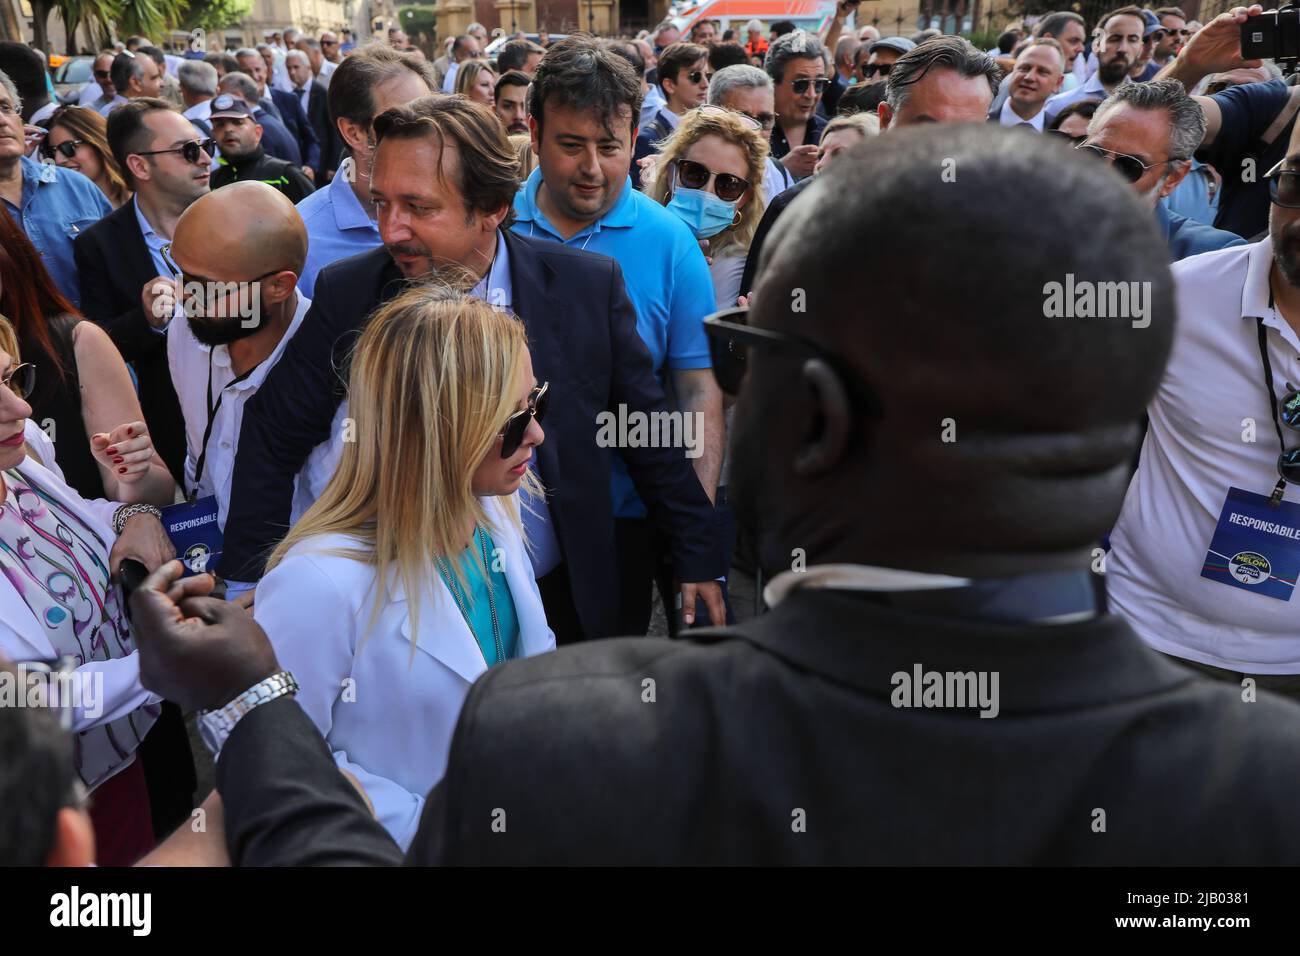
313 102
284 107
582 327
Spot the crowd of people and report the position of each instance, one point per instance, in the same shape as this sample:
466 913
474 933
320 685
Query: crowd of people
354 400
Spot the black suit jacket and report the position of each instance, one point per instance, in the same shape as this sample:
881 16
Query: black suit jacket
583 338
113 264
779 742
296 121
770 216
318 115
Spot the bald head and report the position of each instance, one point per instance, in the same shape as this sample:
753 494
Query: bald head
240 231
970 424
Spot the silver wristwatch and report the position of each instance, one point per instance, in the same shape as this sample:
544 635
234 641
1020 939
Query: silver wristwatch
215 725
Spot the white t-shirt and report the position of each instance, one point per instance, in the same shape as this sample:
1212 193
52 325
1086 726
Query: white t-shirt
1209 406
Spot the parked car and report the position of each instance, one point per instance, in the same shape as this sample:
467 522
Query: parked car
72 74
495 46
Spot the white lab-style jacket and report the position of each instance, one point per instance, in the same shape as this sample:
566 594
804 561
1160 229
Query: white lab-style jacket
387 710
22 637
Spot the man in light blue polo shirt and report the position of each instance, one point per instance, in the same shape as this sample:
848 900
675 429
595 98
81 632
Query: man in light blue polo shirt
340 218
582 107
50 204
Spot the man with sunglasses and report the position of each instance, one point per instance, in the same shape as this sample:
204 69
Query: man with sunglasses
875 60
798 70
1173 22
100 91
1206 554
1120 47
683 79
1148 132
124 271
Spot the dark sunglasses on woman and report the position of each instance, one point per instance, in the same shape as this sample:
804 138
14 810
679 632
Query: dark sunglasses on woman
21 380
67 149
695 175
512 436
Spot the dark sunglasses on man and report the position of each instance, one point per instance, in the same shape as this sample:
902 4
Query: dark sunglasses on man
800 86
512 435
1284 186
871 69
67 149
189 151
1130 167
102 74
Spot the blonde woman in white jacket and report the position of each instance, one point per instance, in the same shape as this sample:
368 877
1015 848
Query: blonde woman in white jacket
409 577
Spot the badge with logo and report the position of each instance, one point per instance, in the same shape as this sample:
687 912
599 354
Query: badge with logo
195 534
1256 545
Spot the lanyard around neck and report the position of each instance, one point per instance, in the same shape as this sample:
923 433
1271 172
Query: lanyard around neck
213 408
1279 489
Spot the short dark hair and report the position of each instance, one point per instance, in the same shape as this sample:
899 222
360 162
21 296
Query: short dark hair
127 133
1171 12
457 45
155 54
125 66
514 54
1128 11
1007 41
723 55
798 45
1085 108
510 78
26 70
860 98
489 166
945 53
782 27
225 62
629 52
677 57
352 86
1054 24
37 779
578 74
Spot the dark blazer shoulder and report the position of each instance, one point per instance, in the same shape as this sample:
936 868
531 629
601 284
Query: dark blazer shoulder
554 252
120 224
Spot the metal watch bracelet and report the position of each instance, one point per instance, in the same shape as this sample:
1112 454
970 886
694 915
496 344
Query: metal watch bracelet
215 725
126 512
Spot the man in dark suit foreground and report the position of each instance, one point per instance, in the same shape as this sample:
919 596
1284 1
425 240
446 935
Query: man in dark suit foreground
940 470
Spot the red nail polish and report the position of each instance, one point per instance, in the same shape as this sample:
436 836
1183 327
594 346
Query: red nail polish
117 461
130 431
112 451
121 471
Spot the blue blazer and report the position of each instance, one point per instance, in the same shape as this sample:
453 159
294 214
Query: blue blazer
582 334
300 128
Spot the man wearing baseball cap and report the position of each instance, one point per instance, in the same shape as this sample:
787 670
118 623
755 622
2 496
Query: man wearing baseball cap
882 55
239 136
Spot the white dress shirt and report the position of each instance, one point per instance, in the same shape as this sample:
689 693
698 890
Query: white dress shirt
1009 117
1193 453
449 81
190 361
387 709
326 71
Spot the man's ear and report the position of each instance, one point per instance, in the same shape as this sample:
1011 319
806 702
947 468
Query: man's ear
74 839
885 113
492 221
826 440
1177 176
279 287
139 166
535 134
354 134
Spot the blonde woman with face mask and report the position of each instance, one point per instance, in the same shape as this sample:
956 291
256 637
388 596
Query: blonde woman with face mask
409 577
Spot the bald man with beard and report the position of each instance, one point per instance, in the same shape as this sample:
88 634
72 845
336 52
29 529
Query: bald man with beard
240 250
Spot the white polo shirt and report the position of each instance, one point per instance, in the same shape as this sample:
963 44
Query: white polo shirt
1193 453
190 361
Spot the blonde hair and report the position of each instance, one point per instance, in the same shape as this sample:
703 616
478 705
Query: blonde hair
868 124
9 339
523 147
434 377
468 73
732 128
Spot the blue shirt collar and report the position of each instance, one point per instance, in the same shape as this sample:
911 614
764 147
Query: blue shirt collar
622 216
495 288
35 175
348 211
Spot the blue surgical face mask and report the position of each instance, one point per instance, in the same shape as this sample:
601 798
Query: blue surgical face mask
705 213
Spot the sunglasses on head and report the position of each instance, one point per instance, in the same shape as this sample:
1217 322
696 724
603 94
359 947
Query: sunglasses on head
67 149
871 69
512 436
189 151
800 86
695 175
1130 167
21 379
